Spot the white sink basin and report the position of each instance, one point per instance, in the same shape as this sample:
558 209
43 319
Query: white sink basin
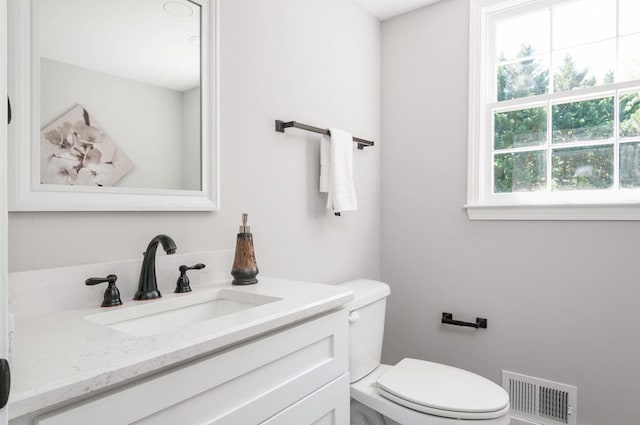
157 316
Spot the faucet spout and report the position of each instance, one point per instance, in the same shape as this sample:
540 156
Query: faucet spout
148 285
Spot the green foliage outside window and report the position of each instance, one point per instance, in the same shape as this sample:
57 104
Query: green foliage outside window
582 121
630 165
582 168
630 115
525 78
575 168
520 172
515 129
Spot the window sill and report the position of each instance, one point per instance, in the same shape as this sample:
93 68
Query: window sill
611 212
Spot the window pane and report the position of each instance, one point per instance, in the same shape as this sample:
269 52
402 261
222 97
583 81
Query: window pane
583 21
523 78
630 165
629 57
582 168
520 172
629 12
515 129
630 115
585 66
583 121
523 35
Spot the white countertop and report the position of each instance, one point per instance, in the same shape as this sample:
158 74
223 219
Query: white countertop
60 355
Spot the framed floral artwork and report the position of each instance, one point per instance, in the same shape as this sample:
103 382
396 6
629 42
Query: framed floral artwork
75 150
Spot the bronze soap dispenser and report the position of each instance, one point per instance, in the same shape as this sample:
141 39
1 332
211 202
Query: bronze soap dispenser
244 269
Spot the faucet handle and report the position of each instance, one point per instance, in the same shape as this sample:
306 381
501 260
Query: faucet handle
112 294
183 284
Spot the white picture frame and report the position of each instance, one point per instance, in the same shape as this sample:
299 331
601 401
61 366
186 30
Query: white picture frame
26 193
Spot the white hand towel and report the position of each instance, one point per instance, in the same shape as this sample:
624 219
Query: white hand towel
336 171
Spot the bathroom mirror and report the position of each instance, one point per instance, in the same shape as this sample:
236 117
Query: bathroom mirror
114 105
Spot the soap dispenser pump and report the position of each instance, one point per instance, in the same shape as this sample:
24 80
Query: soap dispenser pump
244 269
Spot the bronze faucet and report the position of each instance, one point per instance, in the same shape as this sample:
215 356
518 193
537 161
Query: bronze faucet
148 285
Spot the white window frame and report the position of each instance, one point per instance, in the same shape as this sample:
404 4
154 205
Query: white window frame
482 203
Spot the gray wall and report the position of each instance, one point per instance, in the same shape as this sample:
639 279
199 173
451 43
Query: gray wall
316 61
191 169
123 108
561 297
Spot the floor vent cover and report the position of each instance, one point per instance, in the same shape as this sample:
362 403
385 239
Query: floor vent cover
541 401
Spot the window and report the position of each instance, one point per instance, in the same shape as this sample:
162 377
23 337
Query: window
554 109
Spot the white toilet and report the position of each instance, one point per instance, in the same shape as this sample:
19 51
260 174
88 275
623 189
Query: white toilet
413 392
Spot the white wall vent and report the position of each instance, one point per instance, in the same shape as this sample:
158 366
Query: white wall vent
541 401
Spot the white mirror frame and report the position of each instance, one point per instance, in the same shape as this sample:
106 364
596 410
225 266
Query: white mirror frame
26 193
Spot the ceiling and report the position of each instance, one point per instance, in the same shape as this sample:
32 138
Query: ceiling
138 40
385 9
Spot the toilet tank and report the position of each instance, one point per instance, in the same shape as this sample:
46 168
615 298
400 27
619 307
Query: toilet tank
366 325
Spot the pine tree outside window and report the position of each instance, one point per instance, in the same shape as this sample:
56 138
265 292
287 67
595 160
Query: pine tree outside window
554 109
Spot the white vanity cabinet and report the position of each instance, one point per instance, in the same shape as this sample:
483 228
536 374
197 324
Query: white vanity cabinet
294 375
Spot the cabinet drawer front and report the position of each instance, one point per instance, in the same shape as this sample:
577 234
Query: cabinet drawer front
270 373
327 406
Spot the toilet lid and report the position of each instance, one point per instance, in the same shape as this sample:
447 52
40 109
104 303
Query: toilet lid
442 390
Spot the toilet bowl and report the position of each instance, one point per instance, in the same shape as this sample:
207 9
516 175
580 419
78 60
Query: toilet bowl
413 392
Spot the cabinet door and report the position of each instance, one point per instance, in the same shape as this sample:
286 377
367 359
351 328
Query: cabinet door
327 406
242 385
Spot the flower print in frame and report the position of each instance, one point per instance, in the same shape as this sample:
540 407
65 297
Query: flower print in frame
75 150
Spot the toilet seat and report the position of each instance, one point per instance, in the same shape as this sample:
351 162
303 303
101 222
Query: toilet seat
443 413
366 392
442 390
